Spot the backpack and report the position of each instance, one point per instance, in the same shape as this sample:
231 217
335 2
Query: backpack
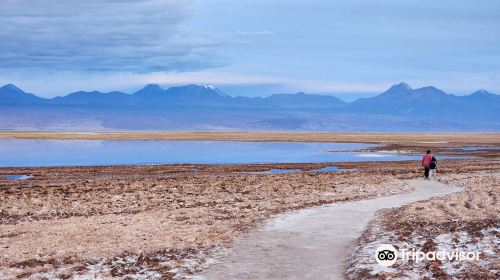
433 163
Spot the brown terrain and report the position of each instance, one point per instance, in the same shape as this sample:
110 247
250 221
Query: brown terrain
161 222
452 139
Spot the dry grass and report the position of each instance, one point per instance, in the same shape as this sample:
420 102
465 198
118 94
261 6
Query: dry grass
464 138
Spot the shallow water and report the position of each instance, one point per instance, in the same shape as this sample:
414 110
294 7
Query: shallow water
324 169
20 152
333 168
17 177
277 171
478 148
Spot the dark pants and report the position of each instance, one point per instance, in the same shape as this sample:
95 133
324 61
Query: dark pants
426 172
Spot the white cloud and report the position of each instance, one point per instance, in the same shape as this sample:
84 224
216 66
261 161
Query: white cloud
96 35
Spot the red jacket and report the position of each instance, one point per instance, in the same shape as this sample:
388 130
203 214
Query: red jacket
426 160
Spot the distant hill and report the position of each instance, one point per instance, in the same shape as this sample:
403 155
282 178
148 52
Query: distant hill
150 91
198 95
401 99
12 95
94 98
204 107
482 98
429 103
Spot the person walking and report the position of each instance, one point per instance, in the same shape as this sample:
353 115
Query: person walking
432 169
426 163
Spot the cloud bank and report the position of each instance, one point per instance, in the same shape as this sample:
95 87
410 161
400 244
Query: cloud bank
102 35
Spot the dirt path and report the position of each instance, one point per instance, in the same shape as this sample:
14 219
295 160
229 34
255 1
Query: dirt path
309 243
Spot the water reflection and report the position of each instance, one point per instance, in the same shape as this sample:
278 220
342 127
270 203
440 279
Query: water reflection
319 170
17 177
17 152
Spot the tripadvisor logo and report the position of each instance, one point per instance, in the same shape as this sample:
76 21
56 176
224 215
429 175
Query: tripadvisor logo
387 255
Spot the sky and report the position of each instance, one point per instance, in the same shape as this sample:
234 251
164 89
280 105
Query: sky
350 48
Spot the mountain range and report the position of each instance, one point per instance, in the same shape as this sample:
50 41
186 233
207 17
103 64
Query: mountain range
204 107
153 95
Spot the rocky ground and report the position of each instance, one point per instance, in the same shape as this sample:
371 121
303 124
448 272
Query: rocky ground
466 221
161 222
152 221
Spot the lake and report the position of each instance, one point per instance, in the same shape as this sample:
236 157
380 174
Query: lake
319 170
474 148
24 153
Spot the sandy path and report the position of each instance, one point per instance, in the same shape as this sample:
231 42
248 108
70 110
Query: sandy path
309 243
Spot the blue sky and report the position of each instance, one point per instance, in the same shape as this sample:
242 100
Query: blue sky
250 47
